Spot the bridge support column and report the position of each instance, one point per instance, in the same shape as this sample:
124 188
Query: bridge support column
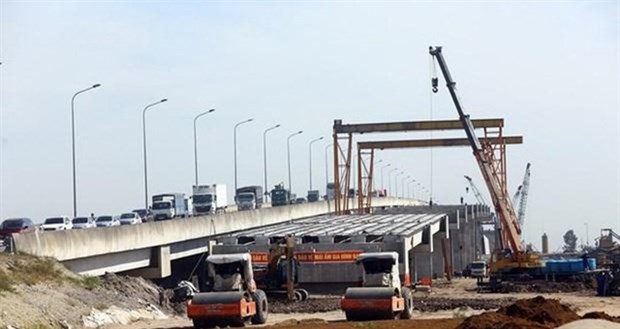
160 264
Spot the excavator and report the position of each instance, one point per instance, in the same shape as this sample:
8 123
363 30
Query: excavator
513 261
281 272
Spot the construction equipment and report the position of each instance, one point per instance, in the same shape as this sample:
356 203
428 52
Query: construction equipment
513 261
233 298
381 296
281 272
521 196
475 190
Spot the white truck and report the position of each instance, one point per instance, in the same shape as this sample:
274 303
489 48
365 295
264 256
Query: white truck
168 206
209 199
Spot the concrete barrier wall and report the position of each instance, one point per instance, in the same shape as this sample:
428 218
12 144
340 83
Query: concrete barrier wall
74 244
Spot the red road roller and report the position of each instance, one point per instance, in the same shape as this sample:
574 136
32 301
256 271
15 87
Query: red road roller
233 299
381 296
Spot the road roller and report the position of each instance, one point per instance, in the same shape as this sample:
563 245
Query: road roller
232 298
381 295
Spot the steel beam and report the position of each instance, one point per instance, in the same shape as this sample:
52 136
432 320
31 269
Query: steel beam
440 142
386 127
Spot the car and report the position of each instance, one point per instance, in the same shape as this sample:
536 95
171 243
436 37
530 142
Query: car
60 223
300 200
83 222
130 218
145 215
107 221
15 225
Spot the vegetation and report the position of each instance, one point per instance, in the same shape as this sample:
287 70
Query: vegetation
30 270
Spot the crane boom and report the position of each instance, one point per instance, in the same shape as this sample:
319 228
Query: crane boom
484 157
517 196
525 189
473 187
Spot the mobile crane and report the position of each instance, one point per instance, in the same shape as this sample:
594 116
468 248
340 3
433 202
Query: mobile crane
514 261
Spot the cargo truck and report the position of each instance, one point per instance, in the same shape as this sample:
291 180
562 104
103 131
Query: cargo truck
249 197
168 206
280 196
313 195
209 199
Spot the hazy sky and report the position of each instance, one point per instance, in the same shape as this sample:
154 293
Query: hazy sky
549 68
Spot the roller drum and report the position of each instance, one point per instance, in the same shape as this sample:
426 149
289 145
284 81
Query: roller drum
369 303
370 293
227 297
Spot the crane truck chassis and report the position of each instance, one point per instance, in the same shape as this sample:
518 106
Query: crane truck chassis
381 295
233 299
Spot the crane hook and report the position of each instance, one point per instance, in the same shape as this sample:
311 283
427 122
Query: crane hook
435 83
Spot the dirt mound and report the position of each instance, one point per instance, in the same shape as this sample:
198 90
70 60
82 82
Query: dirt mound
534 313
544 287
601 315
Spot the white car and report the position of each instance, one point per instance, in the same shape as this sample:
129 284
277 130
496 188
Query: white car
130 218
57 224
83 222
107 221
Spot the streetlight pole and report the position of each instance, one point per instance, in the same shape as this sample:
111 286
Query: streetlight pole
235 149
288 158
396 183
402 185
390 179
146 185
265 154
195 144
73 142
310 157
326 167
383 186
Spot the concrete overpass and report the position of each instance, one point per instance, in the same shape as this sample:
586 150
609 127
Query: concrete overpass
149 248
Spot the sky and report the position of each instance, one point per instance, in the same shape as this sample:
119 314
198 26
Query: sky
550 69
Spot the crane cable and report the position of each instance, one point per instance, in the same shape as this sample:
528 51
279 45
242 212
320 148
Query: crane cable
432 71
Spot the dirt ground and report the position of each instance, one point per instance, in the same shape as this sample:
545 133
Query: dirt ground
446 306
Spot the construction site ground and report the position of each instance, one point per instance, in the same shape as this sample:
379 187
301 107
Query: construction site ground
39 293
447 306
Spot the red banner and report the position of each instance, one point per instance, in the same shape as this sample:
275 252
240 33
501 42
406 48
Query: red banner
337 256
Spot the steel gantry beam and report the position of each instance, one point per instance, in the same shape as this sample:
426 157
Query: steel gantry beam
343 142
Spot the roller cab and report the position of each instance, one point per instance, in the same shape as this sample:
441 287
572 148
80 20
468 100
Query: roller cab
381 295
233 299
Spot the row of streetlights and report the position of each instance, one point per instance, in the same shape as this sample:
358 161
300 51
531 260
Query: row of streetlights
410 181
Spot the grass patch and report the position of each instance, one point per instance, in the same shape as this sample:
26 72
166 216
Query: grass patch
91 282
31 271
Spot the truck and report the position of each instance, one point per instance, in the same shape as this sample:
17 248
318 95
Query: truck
249 197
330 191
168 206
313 195
209 199
280 196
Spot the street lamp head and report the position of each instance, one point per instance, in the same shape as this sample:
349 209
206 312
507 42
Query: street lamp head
299 132
277 126
250 120
321 138
211 110
96 85
163 100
